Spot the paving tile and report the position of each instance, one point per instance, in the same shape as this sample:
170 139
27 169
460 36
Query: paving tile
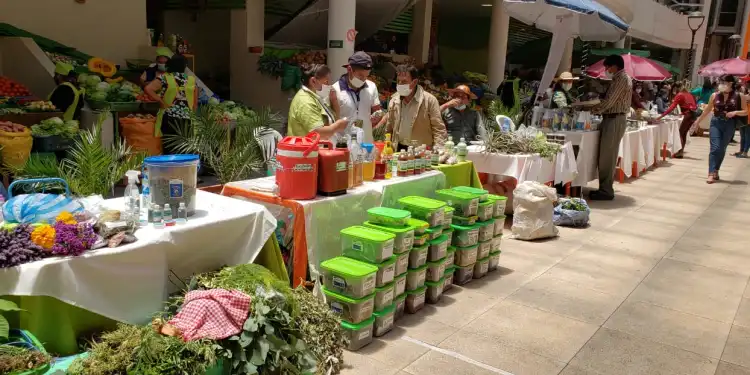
422 328
436 363
655 231
613 352
390 349
703 291
684 208
573 370
458 309
360 364
651 246
715 254
499 283
490 349
726 368
747 292
671 327
737 350
653 215
529 262
537 331
567 299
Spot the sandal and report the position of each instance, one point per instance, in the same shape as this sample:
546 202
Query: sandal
712 177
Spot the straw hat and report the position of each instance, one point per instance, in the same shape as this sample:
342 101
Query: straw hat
566 76
464 90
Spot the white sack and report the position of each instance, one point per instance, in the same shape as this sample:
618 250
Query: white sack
533 205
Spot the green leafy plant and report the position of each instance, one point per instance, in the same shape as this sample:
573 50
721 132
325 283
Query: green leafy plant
15 360
496 108
6 307
233 153
321 328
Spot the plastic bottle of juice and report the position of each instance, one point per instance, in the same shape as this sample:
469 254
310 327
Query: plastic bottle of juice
462 150
449 145
410 158
418 160
387 157
403 164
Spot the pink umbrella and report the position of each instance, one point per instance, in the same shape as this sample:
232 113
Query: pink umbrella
638 68
734 66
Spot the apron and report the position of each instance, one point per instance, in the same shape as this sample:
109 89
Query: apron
170 94
70 111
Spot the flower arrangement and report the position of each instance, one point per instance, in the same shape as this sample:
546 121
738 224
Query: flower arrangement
66 217
73 239
44 236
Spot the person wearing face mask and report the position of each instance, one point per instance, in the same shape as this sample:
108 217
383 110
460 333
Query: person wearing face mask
460 120
155 70
66 96
662 101
413 113
636 99
727 105
357 97
613 108
688 106
561 97
308 111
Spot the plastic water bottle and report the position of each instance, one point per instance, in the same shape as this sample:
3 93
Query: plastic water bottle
167 215
145 200
181 214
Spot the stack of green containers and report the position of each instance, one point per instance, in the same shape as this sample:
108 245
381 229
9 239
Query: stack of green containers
499 216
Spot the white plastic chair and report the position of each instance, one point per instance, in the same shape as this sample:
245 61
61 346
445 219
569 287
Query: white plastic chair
505 123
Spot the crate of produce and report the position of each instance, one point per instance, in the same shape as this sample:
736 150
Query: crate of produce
466 256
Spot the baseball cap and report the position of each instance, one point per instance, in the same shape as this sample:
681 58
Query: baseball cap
360 59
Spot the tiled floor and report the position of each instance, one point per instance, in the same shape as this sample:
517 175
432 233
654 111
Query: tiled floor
656 285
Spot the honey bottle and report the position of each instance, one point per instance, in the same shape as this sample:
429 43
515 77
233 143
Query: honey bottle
403 164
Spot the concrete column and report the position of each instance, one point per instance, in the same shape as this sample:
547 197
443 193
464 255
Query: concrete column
255 13
341 15
619 44
700 39
498 45
566 63
419 39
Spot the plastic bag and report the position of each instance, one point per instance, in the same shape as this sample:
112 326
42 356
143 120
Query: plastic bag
533 204
38 208
571 218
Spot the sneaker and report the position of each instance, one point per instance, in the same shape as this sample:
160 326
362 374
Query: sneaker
598 195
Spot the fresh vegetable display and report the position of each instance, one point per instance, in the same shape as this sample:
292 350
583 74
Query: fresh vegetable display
55 126
11 111
58 58
9 87
575 204
105 68
40 106
97 90
10 127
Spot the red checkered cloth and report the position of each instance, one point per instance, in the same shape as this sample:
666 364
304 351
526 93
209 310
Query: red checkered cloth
213 314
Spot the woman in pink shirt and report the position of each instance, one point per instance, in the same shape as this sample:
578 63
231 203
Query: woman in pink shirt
687 104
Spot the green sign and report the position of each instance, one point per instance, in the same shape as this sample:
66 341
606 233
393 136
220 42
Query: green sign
335 44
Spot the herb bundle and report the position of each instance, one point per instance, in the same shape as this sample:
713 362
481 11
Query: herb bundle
17 360
522 141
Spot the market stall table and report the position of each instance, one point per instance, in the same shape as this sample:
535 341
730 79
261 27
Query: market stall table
669 135
587 156
63 295
527 167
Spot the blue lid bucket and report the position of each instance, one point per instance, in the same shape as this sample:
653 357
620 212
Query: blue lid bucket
173 179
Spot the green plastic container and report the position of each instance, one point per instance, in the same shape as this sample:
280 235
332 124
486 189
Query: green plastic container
486 210
500 203
481 268
465 204
418 256
449 233
386 272
435 270
486 230
494 261
466 221
388 216
349 277
359 334
438 248
384 296
450 256
429 210
499 225
367 244
463 275
434 290
399 287
415 300
415 278
483 249
402 263
448 278
465 256
434 232
481 194
448 217
384 320
465 236
496 242
420 226
400 303
404 236
421 239
353 310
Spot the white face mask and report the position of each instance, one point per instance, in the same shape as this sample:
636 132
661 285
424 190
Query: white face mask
567 86
356 82
608 74
638 90
324 92
724 88
161 67
461 107
403 90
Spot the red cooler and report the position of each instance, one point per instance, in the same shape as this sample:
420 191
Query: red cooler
297 174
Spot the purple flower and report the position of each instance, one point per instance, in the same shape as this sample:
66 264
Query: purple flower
73 239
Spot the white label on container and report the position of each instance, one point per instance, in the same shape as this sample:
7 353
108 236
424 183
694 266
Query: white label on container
342 166
388 272
420 278
368 284
419 300
388 298
408 240
175 188
473 205
400 286
364 335
367 305
437 218
388 249
471 256
337 308
302 168
496 242
115 224
357 246
443 247
388 322
422 258
484 266
484 249
473 235
441 270
403 262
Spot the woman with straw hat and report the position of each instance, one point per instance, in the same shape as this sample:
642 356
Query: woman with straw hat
561 97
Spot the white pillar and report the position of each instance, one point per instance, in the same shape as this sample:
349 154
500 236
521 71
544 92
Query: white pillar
700 39
419 39
341 15
498 45
566 63
620 43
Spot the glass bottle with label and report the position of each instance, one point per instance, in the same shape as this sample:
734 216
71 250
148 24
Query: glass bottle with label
403 164
410 161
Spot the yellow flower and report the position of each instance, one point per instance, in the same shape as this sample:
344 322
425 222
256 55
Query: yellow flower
44 236
66 218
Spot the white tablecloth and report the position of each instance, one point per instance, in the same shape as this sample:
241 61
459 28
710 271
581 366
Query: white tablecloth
669 133
527 167
129 283
651 145
587 160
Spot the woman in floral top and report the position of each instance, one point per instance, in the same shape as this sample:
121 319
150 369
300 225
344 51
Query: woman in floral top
177 93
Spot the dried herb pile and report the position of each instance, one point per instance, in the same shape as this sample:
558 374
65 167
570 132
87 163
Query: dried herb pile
522 141
322 330
14 359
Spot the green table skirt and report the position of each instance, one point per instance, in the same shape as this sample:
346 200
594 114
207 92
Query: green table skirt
461 174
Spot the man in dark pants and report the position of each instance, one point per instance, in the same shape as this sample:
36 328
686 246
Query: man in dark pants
613 108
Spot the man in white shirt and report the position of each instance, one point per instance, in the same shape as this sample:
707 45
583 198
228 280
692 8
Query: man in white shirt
358 97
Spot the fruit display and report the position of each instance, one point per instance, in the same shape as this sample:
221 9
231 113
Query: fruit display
40 106
7 126
308 58
105 68
55 126
11 88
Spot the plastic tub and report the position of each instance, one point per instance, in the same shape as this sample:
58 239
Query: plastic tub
420 226
404 236
465 204
481 268
402 263
434 232
496 242
494 261
434 290
418 257
367 244
400 303
420 240
499 225
450 256
384 320
486 210
384 296
399 286
388 216
481 194
448 217
500 203
465 256
173 179
466 221
359 334
463 275
415 278
464 236
448 233
483 249
349 277
415 300
353 310
429 210
435 270
486 230
438 248
386 272
448 283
